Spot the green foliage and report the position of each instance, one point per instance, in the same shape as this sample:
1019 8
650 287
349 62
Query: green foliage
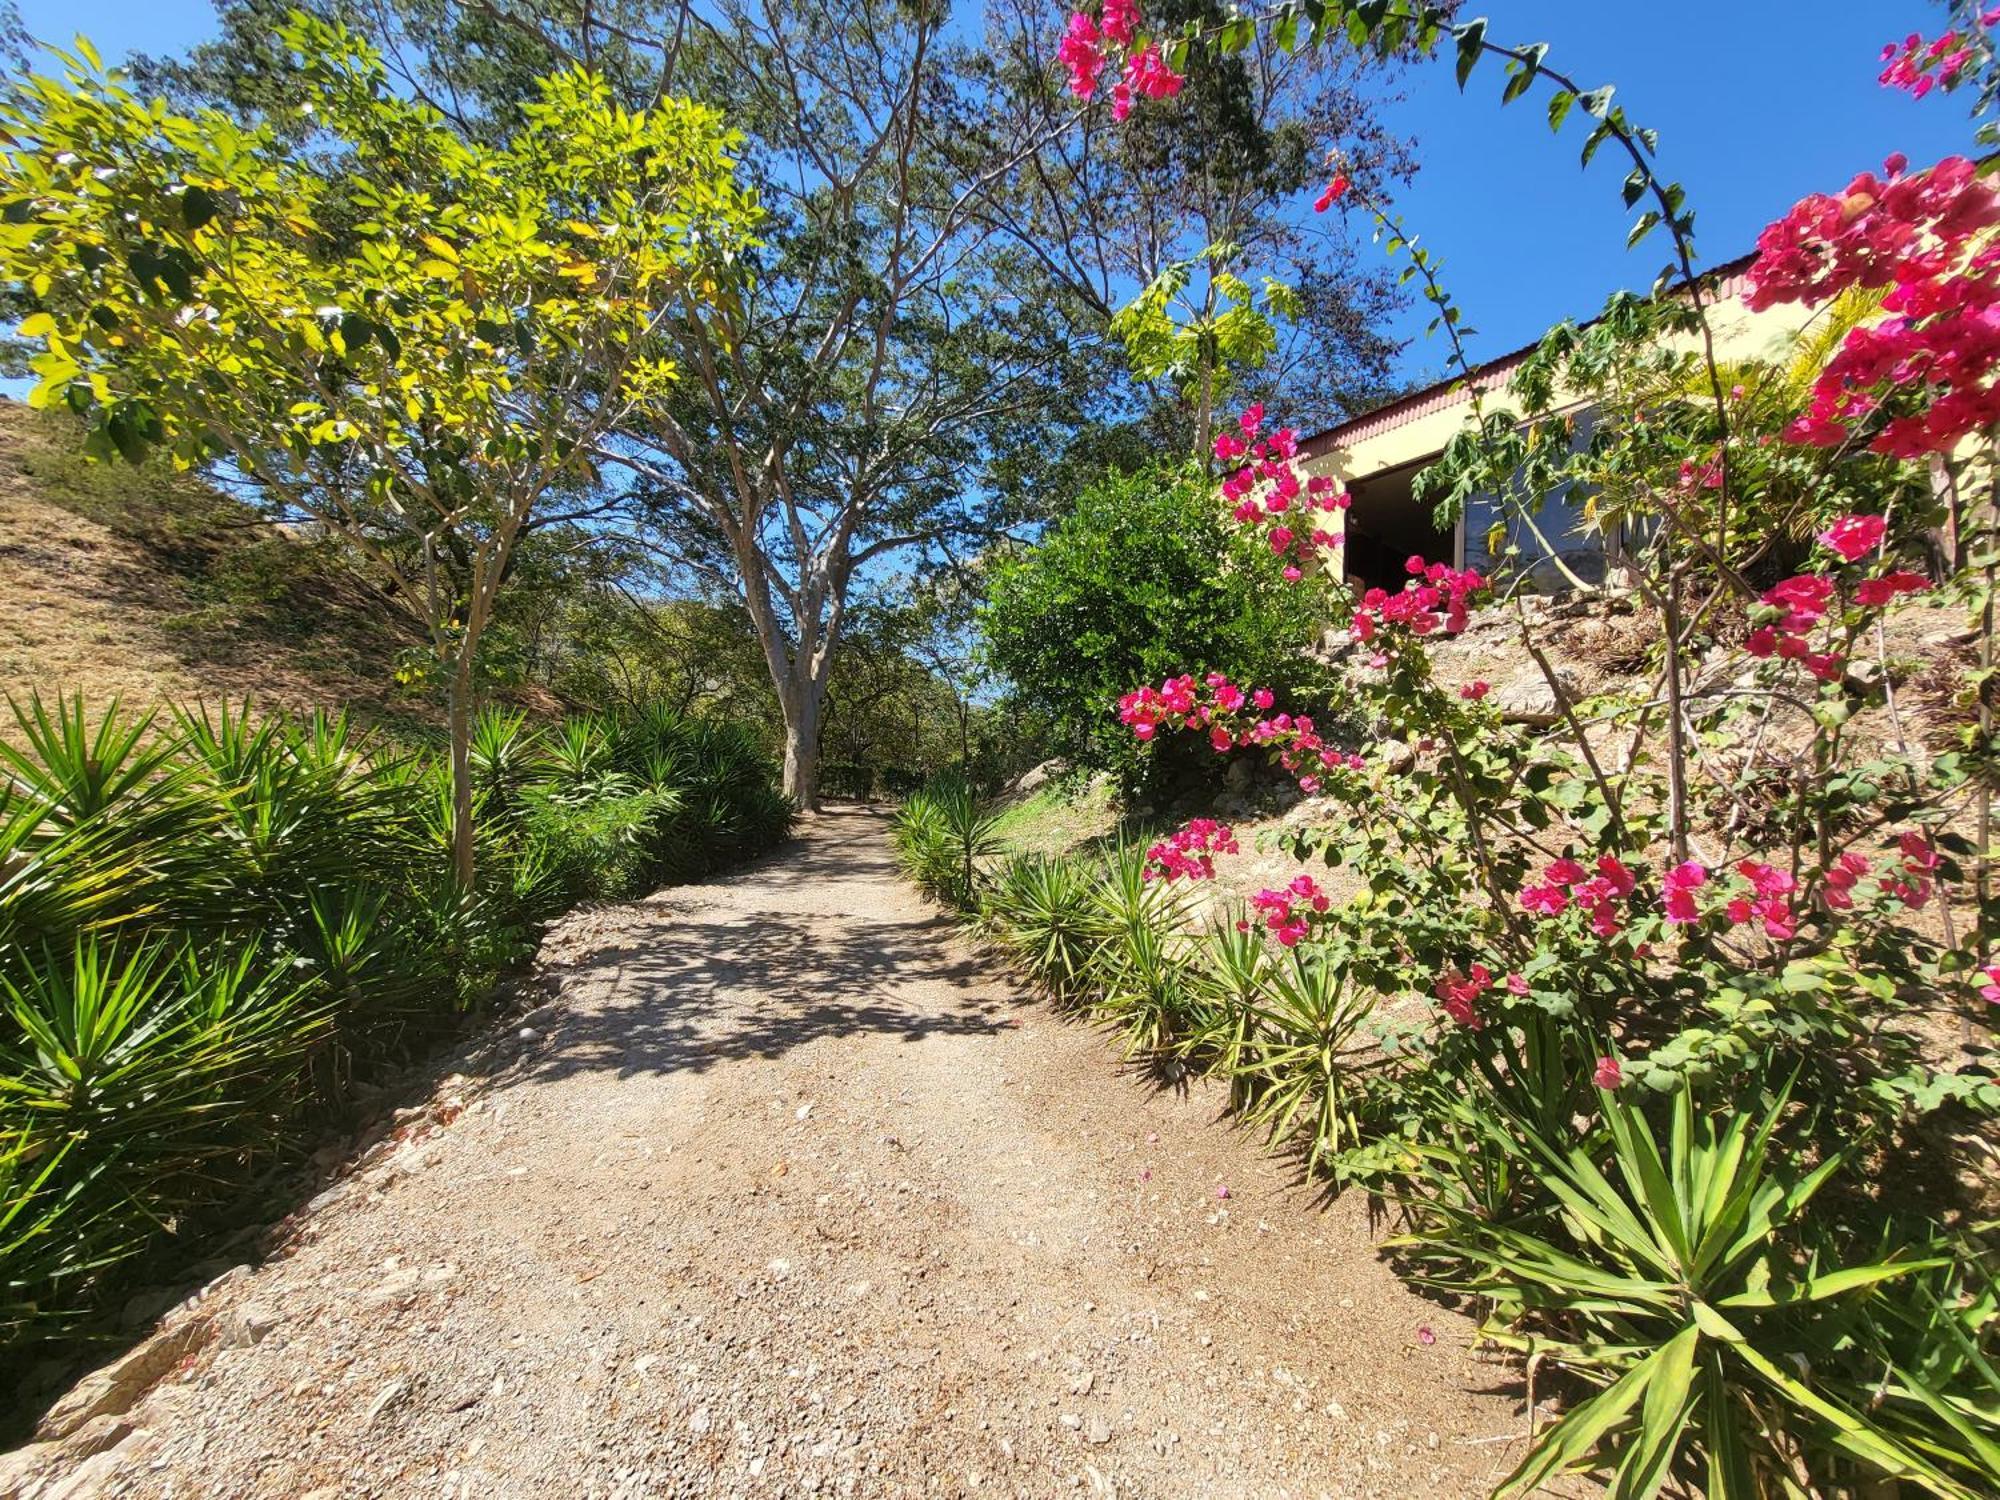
1685 1279
941 835
1203 341
409 336
209 925
1146 577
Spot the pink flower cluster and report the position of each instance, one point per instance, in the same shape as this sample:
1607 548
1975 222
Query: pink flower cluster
1459 992
1332 193
1437 596
1267 485
1181 702
1767 899
1083 53
1289 913
1920 862
1838 891
1919 66
1877 228
1217 706
1990 991
1803 601
1854 537
1941 338
1678 888
1566 882
1190 851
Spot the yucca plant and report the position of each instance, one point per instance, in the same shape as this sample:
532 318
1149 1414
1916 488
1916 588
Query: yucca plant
1232 970
59 1233
1300 1062
922 841
1930 1357
1685 1280
1039 909
503 754
1141 958
941 834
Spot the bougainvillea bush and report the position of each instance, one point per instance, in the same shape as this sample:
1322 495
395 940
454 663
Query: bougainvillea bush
1710 963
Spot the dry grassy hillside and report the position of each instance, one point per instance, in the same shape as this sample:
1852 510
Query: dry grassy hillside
151 586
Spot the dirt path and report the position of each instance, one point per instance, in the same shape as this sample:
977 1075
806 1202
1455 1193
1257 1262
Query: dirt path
789 1194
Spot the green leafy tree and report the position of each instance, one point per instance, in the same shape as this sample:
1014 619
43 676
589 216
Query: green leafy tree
1200 335
401 335
1147 577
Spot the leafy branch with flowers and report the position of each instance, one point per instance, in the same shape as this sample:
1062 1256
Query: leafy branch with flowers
1697 1116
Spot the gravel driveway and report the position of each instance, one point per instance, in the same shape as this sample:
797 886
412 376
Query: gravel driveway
789 1193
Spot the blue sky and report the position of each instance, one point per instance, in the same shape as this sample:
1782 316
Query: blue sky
1757 102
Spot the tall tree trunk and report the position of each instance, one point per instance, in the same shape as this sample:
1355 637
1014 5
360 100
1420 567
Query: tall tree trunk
802 702
459 713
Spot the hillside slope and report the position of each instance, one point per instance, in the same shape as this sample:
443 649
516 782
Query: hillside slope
152 586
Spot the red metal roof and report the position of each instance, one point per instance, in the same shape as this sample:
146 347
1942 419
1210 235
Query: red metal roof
1727 279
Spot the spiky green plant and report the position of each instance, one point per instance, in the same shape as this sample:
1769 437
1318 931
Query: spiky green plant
1685 1280
1141 959
1039 909
942 835
1302 1063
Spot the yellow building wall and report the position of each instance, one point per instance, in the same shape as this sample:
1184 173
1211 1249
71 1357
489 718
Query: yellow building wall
1740 334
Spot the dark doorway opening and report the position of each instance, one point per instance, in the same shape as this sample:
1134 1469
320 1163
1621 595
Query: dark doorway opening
1386 527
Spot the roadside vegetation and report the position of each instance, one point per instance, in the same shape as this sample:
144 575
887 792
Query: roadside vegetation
1666 1028
214 922
673 416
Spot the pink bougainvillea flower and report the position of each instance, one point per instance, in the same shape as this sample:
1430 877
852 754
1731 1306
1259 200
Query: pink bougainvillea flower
1875 592
1082 53
1516 984
1544 900
1425 1336
1121 22
1854 537
1917 851
1990 991
1222 1192
1147 73
1682 881
1474 691
1841 879
1331 194
1459 992
1608 1075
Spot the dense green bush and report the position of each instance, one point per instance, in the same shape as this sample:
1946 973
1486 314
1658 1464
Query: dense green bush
1147 577
941 834
210 924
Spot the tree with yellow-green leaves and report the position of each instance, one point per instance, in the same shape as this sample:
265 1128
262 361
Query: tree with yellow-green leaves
410 338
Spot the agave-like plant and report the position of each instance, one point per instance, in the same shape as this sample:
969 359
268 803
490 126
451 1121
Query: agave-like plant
1682 1279
1929 1369
942 835
1232 971
1304 1062
59 1232
1141 960
1039 909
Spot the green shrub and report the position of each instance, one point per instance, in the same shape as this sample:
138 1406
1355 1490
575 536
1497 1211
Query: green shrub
941 834
1148 577
210 925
